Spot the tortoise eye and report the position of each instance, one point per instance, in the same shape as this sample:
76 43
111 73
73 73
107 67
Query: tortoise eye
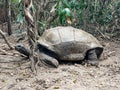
19 46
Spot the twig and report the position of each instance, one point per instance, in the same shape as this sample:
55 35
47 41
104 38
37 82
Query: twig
4 37
53 16
3 51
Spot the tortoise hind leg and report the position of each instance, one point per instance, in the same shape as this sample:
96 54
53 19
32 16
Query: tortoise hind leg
92 58
48 60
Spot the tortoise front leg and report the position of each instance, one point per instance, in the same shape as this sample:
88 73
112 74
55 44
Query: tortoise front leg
39 58
47 60
92 58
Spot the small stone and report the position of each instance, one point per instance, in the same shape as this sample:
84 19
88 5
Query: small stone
11 74
56 87
2 80
74 81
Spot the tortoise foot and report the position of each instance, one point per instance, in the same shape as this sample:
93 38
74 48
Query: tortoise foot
93 63
50 63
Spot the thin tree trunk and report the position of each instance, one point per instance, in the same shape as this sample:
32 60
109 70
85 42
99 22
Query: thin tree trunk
32 32
8 15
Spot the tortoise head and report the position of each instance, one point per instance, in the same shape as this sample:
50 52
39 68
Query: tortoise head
20 48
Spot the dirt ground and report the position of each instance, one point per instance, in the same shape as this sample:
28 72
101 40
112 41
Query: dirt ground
15 73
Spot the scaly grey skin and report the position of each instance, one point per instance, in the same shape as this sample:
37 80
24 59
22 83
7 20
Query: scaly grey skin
92 58
44 58
48 60
20 48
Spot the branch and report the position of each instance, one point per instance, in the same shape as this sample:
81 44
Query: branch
4 37
3 51
53 15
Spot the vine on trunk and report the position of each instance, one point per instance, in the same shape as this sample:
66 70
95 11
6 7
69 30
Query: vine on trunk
31 31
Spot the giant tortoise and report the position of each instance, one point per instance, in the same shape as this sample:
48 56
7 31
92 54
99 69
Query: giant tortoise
66 43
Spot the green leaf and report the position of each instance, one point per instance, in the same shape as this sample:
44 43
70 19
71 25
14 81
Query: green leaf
64 15
20 1
65 4
66 12
20 18
15 1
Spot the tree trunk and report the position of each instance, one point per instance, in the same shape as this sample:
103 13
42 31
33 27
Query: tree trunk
8 15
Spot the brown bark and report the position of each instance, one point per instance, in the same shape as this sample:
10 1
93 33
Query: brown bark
8 16
32 32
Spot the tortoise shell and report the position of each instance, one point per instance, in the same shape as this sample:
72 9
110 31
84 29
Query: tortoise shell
68 43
